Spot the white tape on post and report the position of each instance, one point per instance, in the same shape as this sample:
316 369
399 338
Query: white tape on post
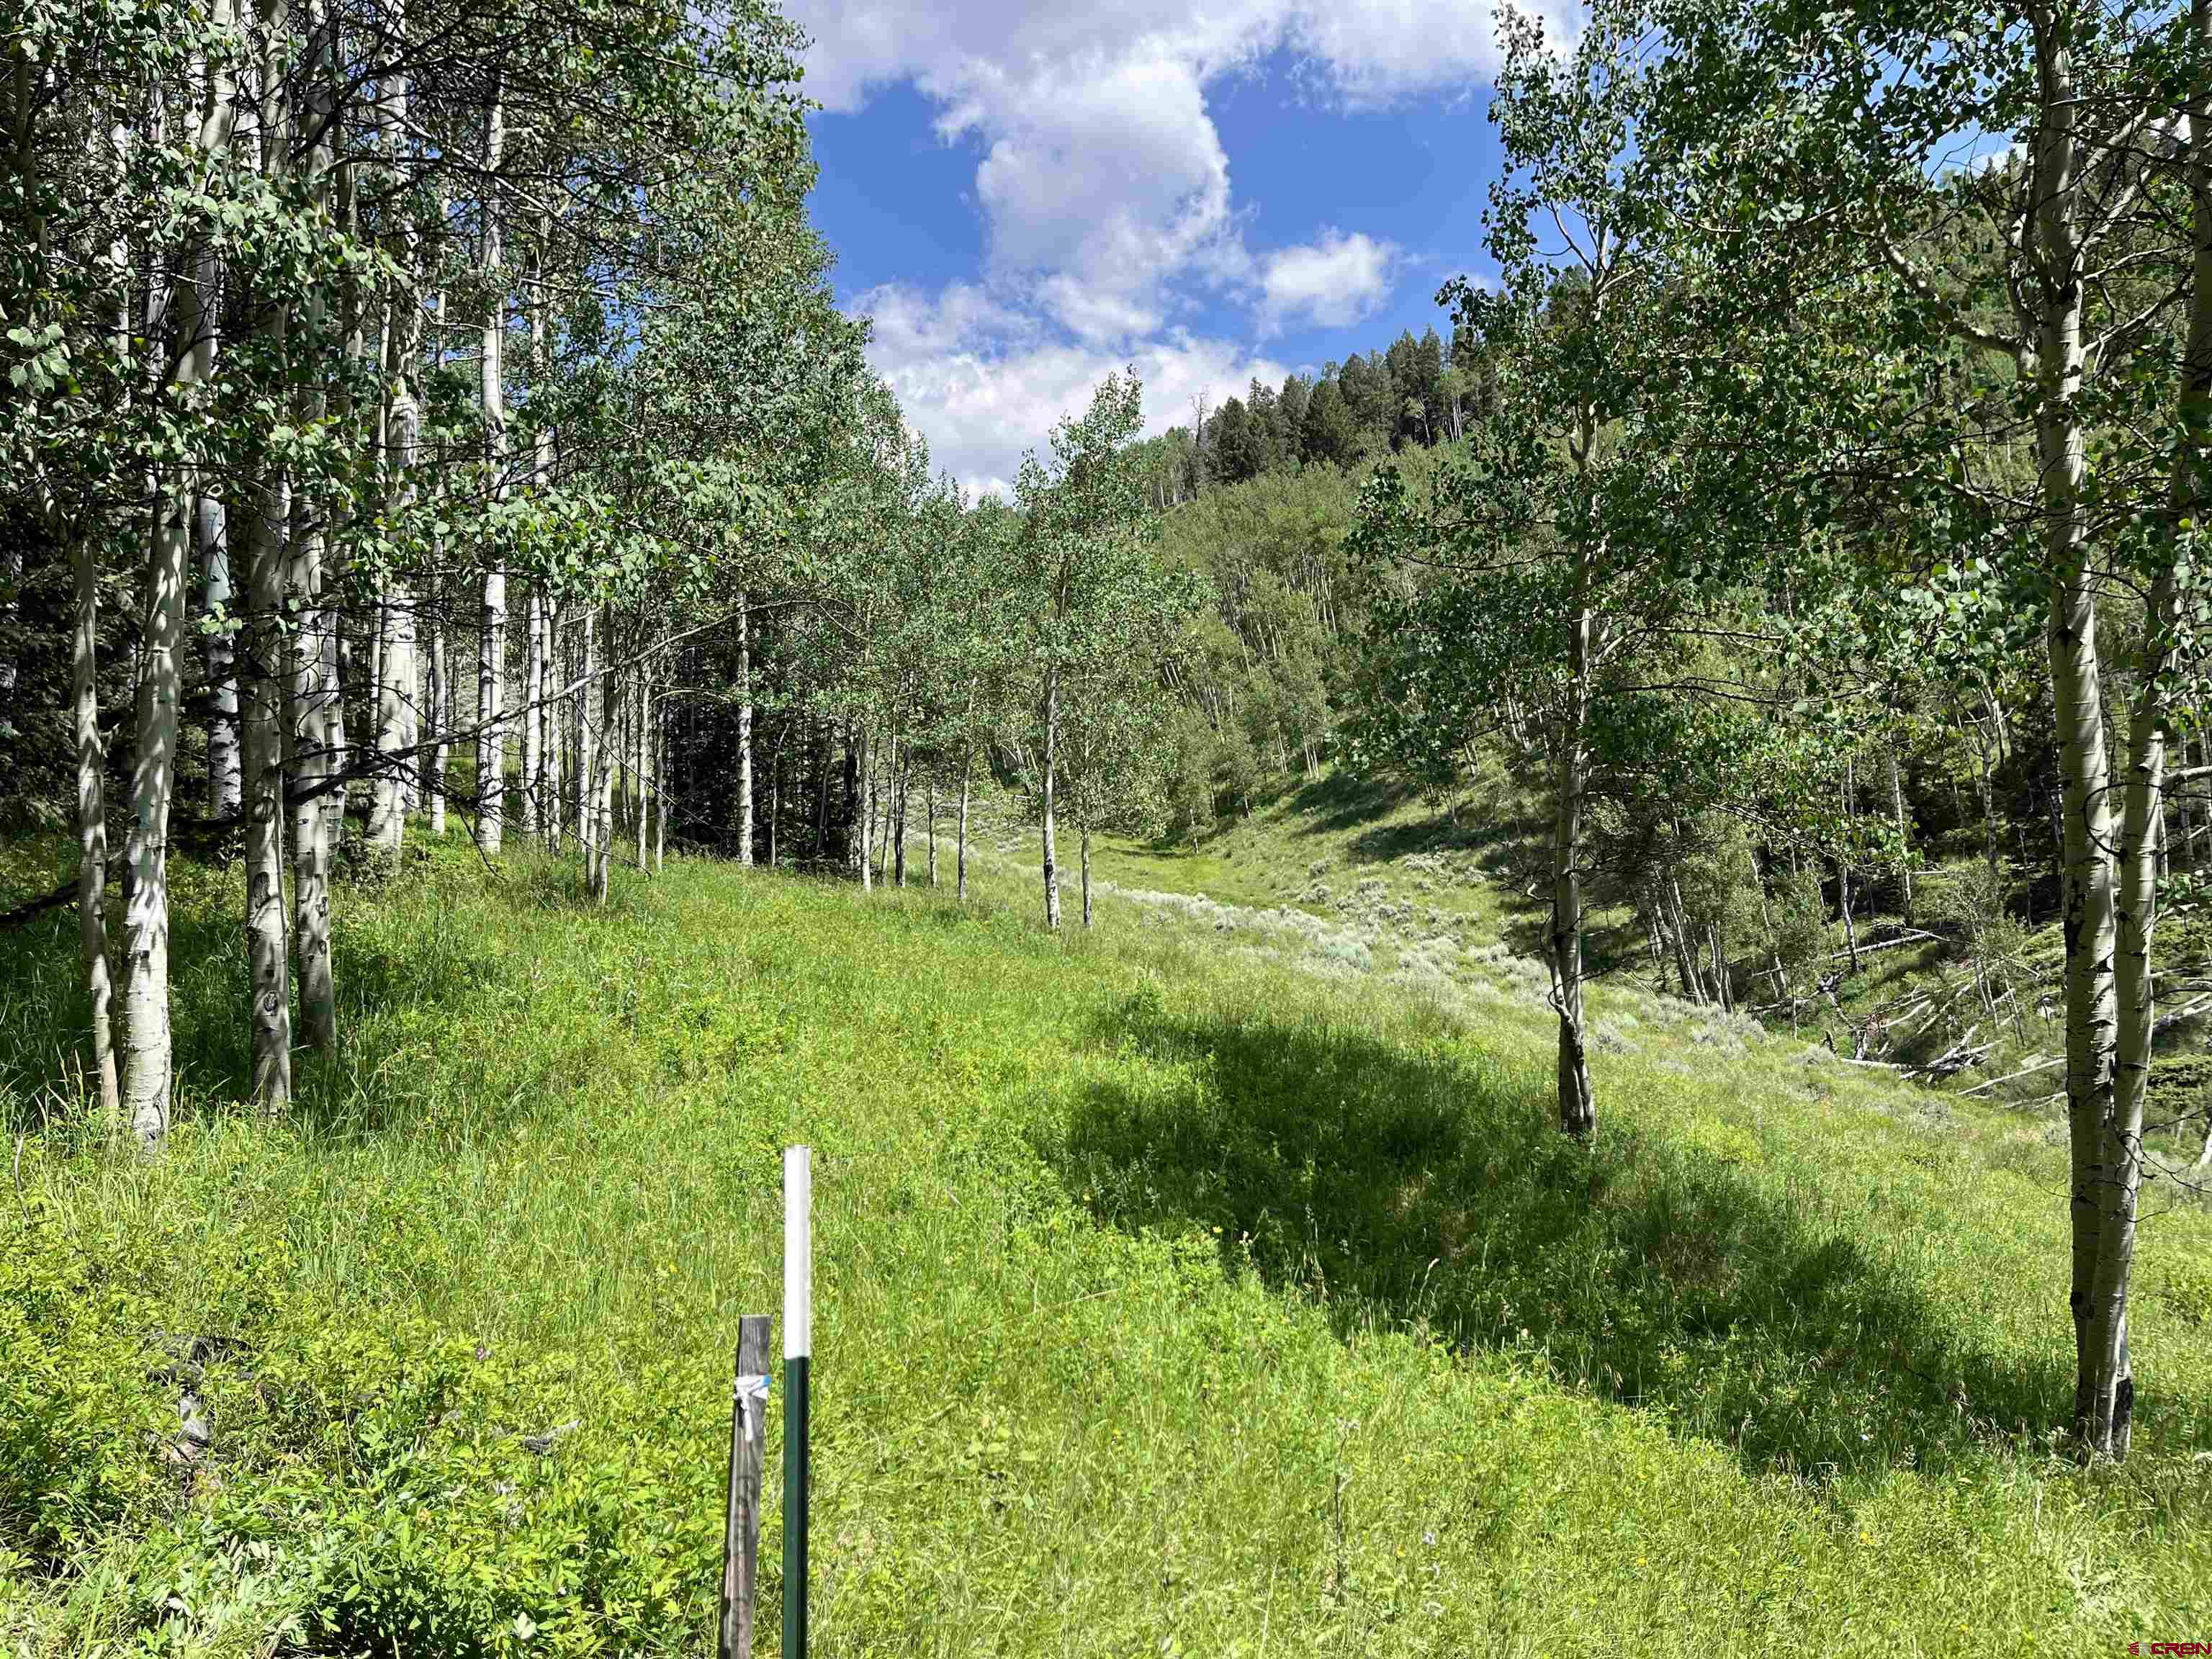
797 1345
798 1252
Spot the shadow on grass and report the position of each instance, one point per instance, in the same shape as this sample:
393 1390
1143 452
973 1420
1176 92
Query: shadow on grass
1339 802
1405 1187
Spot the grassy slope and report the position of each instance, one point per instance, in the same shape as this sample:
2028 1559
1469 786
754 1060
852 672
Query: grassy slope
1371 856
1314 846
1178 1294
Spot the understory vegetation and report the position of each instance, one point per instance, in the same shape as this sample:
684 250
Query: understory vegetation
504 725
1186 1285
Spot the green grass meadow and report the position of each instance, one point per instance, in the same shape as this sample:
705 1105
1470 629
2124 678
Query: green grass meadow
1179 1292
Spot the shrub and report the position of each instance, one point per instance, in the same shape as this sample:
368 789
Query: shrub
79 1417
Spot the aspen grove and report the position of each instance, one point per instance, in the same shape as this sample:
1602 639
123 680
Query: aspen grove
433 431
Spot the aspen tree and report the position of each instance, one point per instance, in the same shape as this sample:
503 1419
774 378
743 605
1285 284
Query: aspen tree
267 956
148 1065
491 646
745 736
1852 114
1087 524
395 685
313 636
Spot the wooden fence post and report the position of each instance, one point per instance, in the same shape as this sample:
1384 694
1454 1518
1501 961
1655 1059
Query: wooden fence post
741 1525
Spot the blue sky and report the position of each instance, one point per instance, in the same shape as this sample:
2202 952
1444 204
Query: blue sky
1025 194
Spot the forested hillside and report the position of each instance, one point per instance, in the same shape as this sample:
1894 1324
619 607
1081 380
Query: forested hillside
1770 599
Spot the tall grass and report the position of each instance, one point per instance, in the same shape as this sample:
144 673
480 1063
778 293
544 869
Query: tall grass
1179 1292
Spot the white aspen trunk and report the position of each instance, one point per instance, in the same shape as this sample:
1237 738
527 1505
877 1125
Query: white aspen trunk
337 673
224 777
395 683
1577 1103
2120 1151
572 729
533 707
775 794
960 855
438 762
1773 950
1844 876
491 731
603 833
264 733
84 702
313 684
1903 840
555 810
387 823
491 646
746 733
338 666
879 837
570 651
2108 1369
414 700
92 823
438 757
619 755
867 813
1051 758
1083 823
2088 898
310 846
930 802
586 757
380 684
263 742
147 1068
1678 932
879 791
902 766
539 816
640 782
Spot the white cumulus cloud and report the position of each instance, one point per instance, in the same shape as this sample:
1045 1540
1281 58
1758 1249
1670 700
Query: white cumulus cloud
1105 190
1369 50
1103 180
983 382
1333 283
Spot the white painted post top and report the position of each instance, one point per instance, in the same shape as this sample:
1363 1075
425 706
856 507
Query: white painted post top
798 1252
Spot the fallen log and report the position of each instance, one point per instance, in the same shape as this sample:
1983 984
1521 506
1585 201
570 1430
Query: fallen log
1915 938
2040 1065
2181 1013
23 913
1958 1057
